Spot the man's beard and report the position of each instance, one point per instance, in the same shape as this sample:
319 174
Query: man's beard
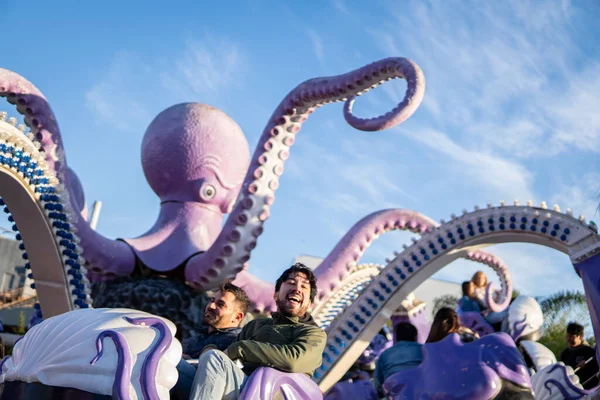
211 319
282 307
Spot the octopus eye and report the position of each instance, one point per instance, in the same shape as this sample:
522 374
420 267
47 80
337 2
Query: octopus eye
209 192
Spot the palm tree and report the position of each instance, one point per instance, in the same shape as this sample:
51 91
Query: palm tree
560 301
446 300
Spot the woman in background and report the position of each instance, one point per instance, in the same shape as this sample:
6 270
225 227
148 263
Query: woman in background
444 323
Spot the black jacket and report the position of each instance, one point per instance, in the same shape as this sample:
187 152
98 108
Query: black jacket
220 338
574 356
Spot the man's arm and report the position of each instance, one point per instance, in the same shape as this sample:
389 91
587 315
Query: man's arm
304 355
589 352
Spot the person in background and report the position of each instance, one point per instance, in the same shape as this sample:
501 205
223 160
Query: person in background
467 303
580 356
480 283
221 326
405 353
444 323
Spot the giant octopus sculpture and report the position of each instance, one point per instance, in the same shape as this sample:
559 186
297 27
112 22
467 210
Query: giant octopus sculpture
196 160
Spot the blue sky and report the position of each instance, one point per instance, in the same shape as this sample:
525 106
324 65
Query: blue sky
510 110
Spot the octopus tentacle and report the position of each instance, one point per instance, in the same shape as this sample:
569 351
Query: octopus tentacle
341 261
232 248
104 254
77 194
150 366
344 256
123 372
501 270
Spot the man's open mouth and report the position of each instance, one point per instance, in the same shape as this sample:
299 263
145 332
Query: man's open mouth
294 298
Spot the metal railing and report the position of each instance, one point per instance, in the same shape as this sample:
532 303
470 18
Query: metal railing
14 298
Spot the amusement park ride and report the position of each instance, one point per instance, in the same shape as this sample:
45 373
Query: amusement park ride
196 160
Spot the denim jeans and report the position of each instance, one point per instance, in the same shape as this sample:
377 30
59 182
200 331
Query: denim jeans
217 378
183 387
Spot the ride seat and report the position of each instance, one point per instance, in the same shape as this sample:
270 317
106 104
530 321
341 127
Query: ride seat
270 384
475 322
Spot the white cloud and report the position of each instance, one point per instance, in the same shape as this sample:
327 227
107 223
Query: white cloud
123 96
575 113
581 196
340 5
503 75
206 66
109 99
317 43
491 173
356 183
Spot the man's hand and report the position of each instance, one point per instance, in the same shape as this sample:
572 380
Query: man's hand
581 364
186 356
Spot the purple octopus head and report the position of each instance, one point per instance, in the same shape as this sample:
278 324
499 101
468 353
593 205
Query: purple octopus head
193 152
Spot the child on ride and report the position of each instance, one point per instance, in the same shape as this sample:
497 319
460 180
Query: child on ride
467 303
480 283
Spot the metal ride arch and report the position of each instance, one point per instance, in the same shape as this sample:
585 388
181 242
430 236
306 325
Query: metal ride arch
35 204
349 290
353 286
341 279
350 333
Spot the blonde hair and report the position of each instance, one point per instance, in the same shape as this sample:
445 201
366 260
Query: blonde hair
477 274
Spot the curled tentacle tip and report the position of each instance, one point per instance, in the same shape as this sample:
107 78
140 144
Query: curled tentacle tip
414 95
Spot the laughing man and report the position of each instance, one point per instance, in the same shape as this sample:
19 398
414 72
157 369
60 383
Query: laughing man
289 341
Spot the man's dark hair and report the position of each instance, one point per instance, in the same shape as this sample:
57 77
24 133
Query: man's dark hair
299 267
465 287
575 329
241 298
406 331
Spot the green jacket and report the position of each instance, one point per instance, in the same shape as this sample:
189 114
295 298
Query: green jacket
287 344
